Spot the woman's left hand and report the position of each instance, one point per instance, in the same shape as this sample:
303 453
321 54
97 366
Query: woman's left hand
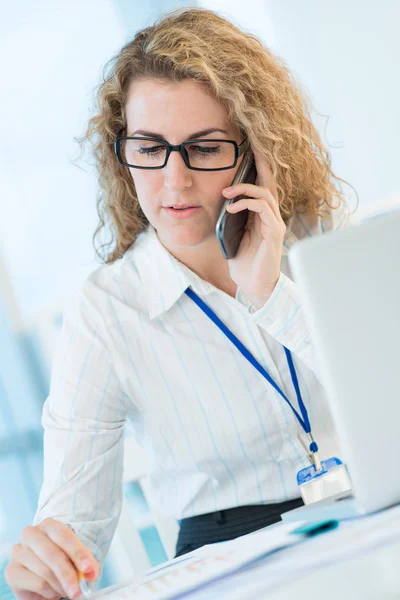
256 266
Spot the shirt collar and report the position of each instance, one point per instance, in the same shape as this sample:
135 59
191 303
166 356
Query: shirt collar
165 278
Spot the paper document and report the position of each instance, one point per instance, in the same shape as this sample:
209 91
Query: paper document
203 565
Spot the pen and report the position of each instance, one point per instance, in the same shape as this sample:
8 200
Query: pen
85 585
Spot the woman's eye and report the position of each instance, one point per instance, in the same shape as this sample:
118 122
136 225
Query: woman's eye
204 150
152 150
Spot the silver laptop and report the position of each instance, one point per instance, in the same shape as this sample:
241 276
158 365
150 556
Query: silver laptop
350 284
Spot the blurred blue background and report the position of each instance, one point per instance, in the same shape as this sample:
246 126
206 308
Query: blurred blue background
345 54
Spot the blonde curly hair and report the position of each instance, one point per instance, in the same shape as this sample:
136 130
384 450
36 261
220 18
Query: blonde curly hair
253 85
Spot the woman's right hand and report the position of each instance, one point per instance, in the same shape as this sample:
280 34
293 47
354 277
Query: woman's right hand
44 564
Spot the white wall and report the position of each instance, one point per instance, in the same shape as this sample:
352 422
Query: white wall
54 54
52 57
347 55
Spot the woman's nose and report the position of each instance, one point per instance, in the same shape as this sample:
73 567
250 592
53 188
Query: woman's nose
176 174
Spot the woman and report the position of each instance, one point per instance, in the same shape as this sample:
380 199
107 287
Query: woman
223 445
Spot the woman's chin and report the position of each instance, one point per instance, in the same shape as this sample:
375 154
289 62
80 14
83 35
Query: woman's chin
185 238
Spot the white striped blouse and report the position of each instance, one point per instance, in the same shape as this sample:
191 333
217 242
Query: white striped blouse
135 348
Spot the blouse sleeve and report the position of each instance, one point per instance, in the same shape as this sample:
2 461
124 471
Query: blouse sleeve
83 420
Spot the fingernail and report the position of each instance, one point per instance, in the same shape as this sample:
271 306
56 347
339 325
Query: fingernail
90 575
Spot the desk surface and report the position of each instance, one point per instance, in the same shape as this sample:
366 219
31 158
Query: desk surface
372 576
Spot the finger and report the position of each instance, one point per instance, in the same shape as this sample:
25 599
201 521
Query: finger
245 189
256 192
22 595
68 541
53 557
27 558
266 217
265 177
255 206
22 581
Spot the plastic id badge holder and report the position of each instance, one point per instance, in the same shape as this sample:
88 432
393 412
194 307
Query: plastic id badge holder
321 479
332 478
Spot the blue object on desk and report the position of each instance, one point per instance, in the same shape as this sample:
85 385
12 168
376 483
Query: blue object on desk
312 529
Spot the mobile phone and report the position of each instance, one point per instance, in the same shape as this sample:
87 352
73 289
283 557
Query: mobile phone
230 228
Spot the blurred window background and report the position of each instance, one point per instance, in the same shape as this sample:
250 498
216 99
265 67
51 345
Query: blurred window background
346 54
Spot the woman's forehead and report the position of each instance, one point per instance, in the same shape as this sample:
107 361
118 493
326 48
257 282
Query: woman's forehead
169 107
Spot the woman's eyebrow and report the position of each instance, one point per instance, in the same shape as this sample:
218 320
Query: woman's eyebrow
197 134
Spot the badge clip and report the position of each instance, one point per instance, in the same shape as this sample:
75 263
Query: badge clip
331 478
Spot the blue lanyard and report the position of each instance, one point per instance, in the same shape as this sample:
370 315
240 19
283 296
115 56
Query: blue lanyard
303 419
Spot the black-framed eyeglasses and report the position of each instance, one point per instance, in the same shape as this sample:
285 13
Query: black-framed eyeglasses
198 155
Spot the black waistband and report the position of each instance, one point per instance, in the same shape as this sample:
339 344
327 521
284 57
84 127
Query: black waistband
230 523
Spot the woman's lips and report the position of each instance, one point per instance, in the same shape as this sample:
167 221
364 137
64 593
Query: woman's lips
181 213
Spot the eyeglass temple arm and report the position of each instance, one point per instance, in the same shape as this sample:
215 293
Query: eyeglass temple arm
243 146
